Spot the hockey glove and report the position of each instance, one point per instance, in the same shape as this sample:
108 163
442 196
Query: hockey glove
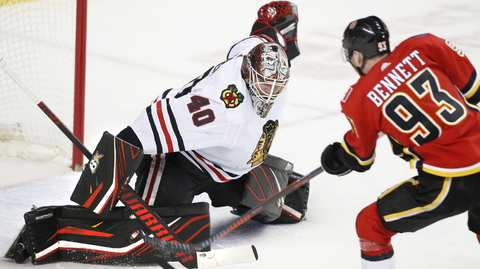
283 16
264 29
331 162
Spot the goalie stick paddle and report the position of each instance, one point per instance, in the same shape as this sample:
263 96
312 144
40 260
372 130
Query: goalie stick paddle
144 214
194 247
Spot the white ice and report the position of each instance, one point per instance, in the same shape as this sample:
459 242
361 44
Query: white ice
136 49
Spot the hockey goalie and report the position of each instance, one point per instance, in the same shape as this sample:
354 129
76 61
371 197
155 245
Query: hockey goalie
212 135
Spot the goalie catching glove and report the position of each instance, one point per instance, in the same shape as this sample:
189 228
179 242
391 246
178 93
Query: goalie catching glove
278 20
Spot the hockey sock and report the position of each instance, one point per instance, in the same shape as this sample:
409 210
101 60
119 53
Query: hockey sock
376 250
376 256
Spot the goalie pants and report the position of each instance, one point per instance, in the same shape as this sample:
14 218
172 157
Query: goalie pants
170 179
412 205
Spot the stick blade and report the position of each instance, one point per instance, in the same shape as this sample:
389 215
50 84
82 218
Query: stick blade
227 256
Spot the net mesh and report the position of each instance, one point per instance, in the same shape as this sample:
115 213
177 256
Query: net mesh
37 41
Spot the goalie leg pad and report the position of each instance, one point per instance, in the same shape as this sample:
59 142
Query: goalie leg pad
261 183
75 234
295 204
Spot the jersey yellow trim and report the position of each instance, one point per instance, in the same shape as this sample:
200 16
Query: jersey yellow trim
360 161
451 172
476 87
412 181
421 209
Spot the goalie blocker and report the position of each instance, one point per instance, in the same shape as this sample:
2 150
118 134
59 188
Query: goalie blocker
108 171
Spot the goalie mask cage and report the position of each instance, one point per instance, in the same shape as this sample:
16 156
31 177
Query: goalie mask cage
44 42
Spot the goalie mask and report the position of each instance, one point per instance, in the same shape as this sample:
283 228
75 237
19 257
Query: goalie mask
266 71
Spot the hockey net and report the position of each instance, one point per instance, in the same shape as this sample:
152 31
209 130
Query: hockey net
43 41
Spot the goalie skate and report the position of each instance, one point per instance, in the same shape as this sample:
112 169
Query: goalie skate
17 250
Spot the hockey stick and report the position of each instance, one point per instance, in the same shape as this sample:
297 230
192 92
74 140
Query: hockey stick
134 203
45 109
194 247
147 216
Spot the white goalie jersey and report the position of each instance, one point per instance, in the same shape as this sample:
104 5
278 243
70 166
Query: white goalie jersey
211 120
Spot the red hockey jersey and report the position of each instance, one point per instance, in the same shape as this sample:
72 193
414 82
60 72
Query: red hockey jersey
423 97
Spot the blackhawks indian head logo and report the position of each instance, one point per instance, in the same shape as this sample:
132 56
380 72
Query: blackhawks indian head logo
264 144
231 97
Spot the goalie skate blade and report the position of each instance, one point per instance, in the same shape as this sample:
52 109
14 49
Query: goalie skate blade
227 256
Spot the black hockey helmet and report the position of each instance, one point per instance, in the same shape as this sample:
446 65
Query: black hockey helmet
367 35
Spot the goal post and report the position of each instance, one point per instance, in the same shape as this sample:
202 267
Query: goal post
44 42
80 67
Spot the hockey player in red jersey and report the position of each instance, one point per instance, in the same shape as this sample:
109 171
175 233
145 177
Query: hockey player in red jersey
211 135
422 96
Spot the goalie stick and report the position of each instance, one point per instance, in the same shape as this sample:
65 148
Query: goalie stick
195 247
135 204
219 257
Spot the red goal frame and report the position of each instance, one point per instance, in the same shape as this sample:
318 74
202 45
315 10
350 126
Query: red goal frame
80 69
